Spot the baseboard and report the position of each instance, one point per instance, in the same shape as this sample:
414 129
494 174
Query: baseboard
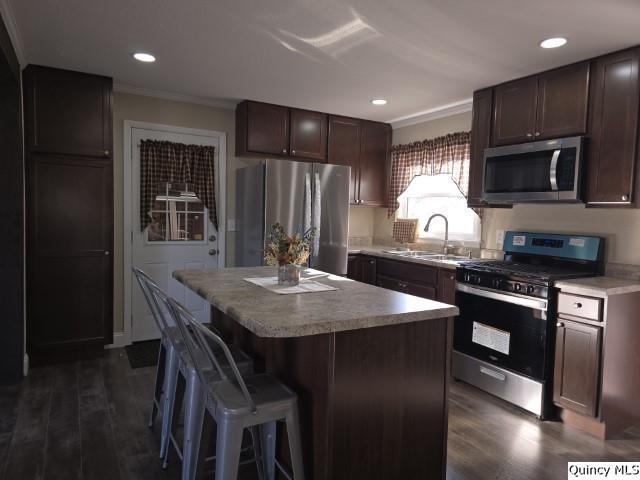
25 365
119 340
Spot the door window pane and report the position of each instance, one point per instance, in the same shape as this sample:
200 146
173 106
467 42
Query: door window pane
177 215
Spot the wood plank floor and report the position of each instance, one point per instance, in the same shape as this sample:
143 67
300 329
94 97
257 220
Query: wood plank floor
87 420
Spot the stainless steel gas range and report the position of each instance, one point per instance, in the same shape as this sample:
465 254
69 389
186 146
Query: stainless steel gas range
504 336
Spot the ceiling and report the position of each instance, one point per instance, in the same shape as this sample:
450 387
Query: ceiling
321 54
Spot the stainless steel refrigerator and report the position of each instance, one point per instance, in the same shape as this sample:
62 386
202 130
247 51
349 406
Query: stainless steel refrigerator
298 195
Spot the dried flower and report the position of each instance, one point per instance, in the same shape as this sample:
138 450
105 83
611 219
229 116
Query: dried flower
283 249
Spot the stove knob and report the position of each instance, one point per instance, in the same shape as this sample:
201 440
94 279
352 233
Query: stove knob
517 287
497 283
530 289
478 280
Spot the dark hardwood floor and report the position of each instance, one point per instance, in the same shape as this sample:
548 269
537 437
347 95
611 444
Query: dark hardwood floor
87 420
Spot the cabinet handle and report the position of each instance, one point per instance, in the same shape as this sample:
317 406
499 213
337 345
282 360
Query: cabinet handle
372 262
625 198
284 150
106 153
529 135
293 152
107 253
560 324
537 134
577 305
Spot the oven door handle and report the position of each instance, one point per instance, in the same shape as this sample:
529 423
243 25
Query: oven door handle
553 170
503 297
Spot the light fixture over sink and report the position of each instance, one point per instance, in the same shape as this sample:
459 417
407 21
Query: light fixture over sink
144 57
553 42
379 101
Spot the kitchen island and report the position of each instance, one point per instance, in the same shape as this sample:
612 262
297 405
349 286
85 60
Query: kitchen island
370 367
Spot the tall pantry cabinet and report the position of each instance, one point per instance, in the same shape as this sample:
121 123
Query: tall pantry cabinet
69 212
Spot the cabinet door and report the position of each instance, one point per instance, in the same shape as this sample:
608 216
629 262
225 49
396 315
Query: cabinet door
374 163
514 117
344 148
308 135
391 283
67 112
563 94
69 252
480 139
420 290
267 128
447 286
352 264
577 367
613 129
367 270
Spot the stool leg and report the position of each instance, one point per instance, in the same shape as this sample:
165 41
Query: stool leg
171 382
159 387
193 419
295 447
256 442
268 433
228 446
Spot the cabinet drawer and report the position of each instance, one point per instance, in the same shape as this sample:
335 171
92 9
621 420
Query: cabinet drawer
408 271
578 306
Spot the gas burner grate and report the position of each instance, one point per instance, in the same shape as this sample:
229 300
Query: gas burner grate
524 269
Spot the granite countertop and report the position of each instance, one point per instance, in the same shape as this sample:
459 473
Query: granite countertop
381 252
352 306
598 286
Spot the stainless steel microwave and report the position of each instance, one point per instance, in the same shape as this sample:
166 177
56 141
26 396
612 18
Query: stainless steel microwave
545 171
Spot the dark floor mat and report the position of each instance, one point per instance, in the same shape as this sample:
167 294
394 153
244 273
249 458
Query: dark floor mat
143 354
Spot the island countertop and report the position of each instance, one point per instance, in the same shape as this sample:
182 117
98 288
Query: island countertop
352 306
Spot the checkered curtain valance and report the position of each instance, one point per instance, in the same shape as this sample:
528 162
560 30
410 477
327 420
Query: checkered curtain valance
448 154
167 162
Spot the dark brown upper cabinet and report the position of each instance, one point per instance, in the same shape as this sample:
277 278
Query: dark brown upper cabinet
515 111
480 139
563 96
364 146
262 128
308 135
612 174
550 105
344 148
67 112
374 163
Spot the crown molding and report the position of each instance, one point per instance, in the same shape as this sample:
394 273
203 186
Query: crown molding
14 33
176 97
433 113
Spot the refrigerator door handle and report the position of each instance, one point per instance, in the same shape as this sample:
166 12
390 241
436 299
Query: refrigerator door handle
317 205
307 202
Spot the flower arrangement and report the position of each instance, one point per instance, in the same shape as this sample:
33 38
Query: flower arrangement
283 249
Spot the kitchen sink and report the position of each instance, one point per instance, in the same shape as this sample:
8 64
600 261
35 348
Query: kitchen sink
426 255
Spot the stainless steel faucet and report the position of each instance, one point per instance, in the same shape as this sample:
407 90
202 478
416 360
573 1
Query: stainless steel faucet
445 247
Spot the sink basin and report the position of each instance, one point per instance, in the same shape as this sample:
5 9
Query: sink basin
426 255
409 253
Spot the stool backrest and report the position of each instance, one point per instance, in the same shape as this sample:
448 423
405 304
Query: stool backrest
160 316
198 336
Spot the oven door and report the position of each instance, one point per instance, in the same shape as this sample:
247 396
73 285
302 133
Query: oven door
506 330
534 172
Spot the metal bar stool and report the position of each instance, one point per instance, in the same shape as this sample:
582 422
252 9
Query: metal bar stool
255 402
173 361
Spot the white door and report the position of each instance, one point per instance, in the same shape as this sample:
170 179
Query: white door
179 237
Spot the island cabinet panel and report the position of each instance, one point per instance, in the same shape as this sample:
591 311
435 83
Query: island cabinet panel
563 96
262 128
374 164
613 127
67 112
577 367
515 111
364 397
345 136
308 135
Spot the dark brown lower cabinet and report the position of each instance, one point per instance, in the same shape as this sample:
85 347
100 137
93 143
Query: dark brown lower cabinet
577 367
69 253
447 286
424 291
362 269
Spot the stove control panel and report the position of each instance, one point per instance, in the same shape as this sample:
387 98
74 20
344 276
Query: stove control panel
495 281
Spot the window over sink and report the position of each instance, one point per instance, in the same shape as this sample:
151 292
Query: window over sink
429 194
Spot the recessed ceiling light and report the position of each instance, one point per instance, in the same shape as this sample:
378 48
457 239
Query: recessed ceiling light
379 101
554 42
144 57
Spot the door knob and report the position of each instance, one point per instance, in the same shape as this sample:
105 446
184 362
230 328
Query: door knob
212 238
213 251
